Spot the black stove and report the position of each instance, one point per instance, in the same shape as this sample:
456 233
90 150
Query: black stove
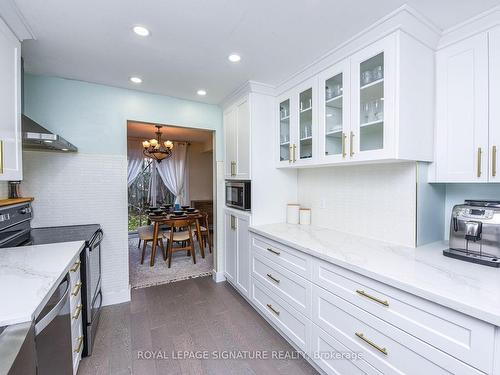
45 235
15 230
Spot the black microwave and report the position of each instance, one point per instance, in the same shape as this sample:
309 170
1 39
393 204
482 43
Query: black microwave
238 194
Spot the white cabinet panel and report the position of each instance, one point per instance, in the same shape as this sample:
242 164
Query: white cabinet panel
10 97
230 117
462 111
237 134
243 255
494 121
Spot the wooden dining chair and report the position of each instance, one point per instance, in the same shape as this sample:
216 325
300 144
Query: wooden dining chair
180 233
146 235
205 231
196 231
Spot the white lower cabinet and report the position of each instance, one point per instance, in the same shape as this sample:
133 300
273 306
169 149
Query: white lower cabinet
76 308
350 324
237 254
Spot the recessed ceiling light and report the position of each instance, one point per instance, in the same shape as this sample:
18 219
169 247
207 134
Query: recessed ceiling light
201 92
140 30
234 57
135 80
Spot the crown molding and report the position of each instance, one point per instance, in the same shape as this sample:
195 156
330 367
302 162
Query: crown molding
15 20
475 25
248 88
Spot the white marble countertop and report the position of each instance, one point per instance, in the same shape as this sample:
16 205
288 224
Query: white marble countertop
29 275
424 271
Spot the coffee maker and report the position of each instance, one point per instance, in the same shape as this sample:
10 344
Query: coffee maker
475 232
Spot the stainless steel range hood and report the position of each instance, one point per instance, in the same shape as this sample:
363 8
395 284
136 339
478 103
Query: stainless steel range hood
36 137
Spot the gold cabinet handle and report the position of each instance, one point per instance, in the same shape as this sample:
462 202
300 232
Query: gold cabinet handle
76 266
479 154
78 310
233 168
76 289
494 161
1 157
290 154
351 144
371 343
364 294
294 147
273 278
273 251
273 309
80 343
343 144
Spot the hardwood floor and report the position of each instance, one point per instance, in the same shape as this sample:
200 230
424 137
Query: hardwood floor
197 316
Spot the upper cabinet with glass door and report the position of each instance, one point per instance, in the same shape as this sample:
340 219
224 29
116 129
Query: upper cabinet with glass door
375 105
334 112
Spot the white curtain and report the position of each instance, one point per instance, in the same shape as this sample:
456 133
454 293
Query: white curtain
153 187
135 158
173 172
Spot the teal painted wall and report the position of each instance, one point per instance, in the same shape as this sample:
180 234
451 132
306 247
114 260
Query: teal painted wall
94 117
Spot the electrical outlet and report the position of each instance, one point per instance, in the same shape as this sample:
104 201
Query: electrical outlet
322 203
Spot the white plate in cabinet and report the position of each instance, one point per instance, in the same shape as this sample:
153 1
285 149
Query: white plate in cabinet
386 347
291 259
461 336
288 285
292 323
324 349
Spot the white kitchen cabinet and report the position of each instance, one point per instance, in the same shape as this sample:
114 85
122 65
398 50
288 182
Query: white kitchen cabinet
462 111
297 125
374 105
494 108
237 140
237 257
10 96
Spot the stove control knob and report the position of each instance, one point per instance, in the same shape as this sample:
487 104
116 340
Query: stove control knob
4 217
26 210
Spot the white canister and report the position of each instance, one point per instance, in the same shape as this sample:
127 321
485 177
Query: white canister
292 213
305 216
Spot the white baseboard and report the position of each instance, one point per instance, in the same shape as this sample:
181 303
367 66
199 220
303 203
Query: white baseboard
115 296
218 277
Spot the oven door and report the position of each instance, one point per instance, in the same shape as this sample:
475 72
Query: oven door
235 195
91 328
93 267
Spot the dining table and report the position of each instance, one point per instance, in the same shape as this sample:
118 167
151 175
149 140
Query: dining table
166 218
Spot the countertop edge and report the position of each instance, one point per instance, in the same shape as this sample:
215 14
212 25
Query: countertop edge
405 287
32 316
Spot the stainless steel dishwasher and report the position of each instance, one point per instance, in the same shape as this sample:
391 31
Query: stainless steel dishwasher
53 333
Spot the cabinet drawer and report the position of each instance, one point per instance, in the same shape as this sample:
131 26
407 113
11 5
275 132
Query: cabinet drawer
324 349
74 271
459 335
75 295
291 259
77 346
384 346
292 323
292 288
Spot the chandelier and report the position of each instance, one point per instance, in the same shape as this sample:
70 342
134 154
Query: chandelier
155 149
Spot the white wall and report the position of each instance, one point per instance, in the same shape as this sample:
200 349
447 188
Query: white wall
200 171
376 201
84 189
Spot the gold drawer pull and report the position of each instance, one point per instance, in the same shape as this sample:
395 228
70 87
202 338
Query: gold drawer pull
371 343
78 310
273 278
76 266
273 309
80 343
76 289
364 294
273 251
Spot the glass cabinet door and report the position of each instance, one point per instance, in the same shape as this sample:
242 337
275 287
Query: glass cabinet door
334 116
284 130
371 101
306 124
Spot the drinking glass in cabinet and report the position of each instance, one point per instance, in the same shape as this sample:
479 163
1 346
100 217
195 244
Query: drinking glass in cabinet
284 135
371 99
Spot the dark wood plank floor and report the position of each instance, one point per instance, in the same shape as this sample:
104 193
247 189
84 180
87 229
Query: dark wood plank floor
194 315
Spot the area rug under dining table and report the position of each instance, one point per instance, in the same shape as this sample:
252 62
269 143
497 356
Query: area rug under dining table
142 275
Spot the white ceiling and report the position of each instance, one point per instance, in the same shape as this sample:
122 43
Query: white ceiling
92 40
147 131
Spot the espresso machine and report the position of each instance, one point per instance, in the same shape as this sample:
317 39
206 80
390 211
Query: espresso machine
475 232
